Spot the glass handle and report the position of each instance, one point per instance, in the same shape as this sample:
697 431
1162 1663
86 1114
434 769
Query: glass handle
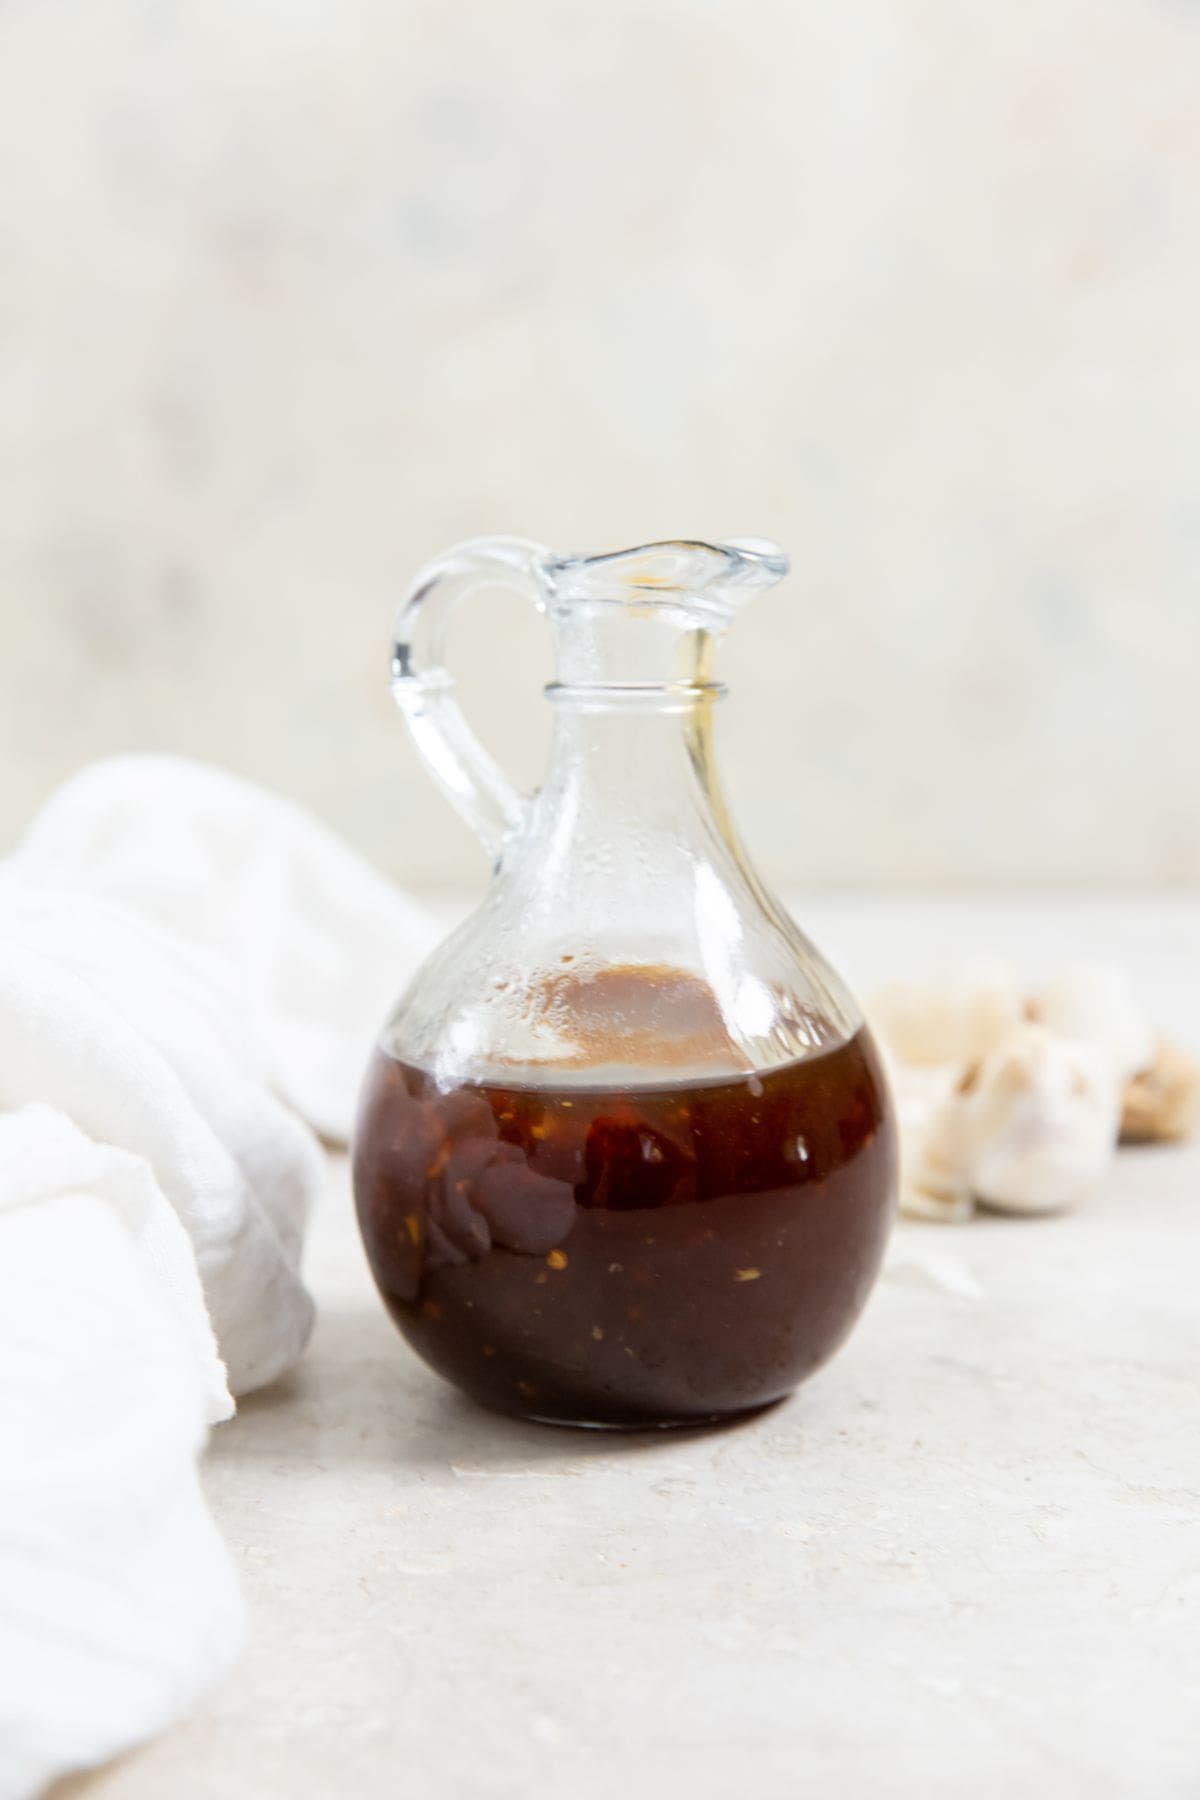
423 686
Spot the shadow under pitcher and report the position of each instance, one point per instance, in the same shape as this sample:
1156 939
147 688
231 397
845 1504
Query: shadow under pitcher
625 1153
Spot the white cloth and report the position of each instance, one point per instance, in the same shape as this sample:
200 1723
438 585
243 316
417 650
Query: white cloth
118 1602
310 943
184 960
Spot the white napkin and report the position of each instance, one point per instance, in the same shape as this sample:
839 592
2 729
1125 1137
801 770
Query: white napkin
183 960
309 941
118 1601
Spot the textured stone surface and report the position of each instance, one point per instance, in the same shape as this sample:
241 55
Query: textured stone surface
963 1559
291 296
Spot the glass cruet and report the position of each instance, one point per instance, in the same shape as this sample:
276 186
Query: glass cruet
625 1153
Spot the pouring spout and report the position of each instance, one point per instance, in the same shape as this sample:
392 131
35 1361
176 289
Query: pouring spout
681 572
637 625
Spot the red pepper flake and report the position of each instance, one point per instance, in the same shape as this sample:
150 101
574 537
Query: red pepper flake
412 1225
557 1259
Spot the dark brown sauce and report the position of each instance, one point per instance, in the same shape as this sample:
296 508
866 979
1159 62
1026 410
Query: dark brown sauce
638 1256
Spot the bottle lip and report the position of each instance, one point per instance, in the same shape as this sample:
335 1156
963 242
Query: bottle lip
671 571
635 696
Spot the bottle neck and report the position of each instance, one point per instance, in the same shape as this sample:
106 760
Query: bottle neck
629 785
630 806
620 656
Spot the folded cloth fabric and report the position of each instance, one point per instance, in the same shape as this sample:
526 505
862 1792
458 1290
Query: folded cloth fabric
118 1601
312 941
190 972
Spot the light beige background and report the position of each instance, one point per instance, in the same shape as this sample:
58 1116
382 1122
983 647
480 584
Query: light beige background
295 292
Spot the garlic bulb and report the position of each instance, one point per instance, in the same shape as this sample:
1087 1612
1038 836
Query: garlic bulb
950 1021
1162 1102
1017 1104
1094 1003
1039 1122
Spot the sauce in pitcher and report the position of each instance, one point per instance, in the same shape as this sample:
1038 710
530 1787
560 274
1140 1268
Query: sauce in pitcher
643 1254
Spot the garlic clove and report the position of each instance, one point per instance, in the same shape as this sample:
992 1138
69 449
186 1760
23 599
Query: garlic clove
951 1208
933 1172
928 1189
1162 1102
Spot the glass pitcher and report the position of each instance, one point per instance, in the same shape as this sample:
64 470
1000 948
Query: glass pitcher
625 1153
